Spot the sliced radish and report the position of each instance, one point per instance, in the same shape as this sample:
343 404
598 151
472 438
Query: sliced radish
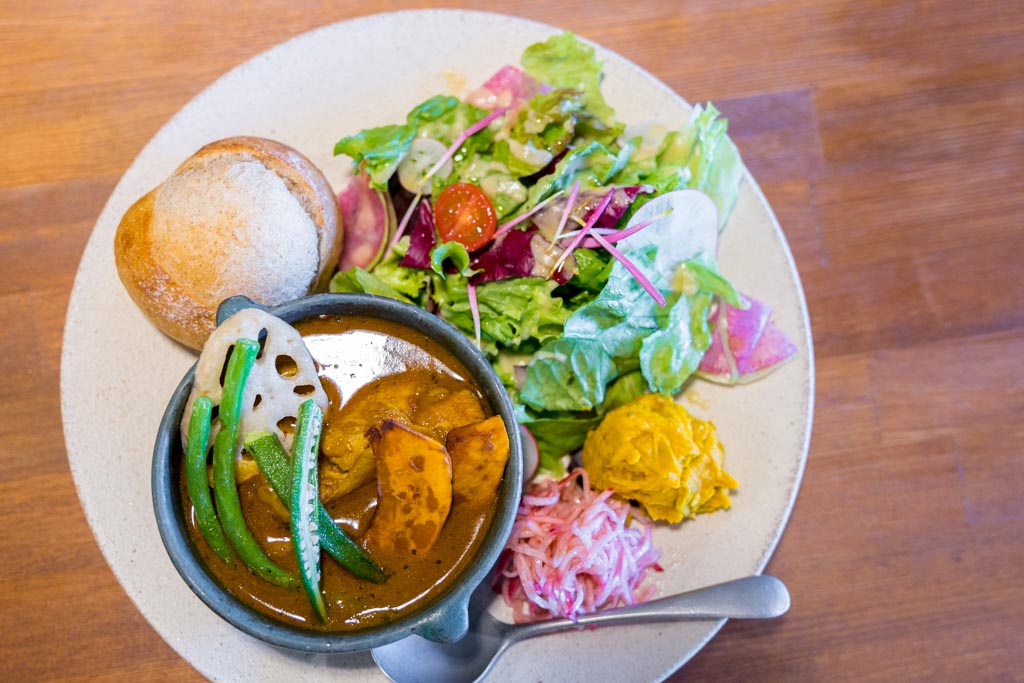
745 345
690 230
531 456
772 350
423 154
368 217
506 87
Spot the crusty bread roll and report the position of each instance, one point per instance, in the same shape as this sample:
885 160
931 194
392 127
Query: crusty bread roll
243 215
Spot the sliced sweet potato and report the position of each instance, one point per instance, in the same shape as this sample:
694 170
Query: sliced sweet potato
478 452
414 481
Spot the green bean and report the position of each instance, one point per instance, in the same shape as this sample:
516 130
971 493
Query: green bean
198 484
225 489
272 459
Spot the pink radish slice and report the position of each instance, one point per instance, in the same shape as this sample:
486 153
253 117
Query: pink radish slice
531 456
744 326
506 87
772 350
368 217
748 348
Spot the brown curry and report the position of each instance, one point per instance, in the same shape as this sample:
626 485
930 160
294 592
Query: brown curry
390 388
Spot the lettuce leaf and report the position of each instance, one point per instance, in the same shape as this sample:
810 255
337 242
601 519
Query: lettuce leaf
389 278
590 164
564 62
561 432
568 374
453 253
623 330
556 434
379 150
540 131
512 312
359 281
606 334
699 156
451 122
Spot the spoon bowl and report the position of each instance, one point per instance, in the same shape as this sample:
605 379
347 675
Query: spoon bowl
417 660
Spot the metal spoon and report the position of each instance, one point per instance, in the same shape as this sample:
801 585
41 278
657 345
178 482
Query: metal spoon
416 660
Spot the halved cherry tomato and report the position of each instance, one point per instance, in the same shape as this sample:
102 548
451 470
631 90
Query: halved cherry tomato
464 214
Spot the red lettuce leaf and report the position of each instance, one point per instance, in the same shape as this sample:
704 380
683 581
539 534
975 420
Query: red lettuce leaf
508 256
422 238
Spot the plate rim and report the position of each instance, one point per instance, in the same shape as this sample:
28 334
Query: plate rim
172 122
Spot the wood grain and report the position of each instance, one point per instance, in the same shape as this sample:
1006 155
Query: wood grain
889 138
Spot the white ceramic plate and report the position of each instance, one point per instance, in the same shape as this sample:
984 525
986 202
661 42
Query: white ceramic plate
118 371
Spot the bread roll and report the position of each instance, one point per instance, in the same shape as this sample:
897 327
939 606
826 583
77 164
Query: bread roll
244 216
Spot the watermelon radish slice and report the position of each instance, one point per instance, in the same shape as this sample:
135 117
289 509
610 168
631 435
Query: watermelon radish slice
531 456
745 345
772 350
509 86
369 220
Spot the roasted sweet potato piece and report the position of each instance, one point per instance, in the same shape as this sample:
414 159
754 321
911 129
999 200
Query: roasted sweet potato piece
414 482
478 453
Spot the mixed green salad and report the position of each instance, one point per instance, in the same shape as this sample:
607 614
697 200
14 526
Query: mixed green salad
581 260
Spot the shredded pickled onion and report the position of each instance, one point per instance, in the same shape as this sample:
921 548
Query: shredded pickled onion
574 551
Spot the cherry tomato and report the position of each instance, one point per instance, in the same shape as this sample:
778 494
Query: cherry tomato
464 214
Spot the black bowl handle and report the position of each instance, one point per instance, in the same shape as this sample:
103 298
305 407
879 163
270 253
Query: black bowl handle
233 305
449 623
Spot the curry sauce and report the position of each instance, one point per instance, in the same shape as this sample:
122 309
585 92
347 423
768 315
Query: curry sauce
373 371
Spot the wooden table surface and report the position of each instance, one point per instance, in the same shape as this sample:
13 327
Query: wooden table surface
889 138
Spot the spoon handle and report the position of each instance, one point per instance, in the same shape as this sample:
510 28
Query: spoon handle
752 597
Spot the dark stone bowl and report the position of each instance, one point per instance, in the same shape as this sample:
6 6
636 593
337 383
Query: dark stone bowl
446 618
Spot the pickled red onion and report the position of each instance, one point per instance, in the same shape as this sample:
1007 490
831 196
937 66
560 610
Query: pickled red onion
574 551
